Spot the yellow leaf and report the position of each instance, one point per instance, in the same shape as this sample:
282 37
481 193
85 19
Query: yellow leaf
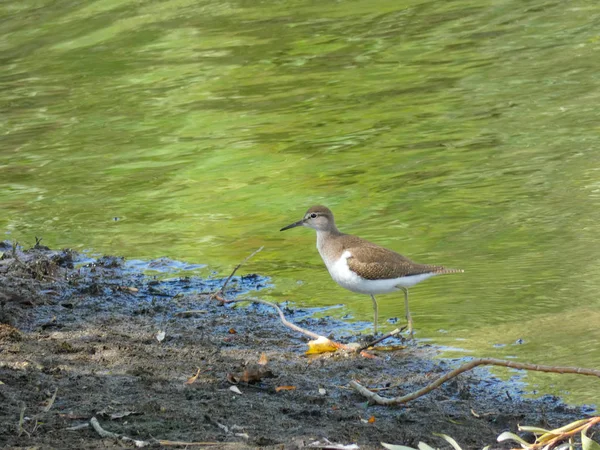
193 379
321 345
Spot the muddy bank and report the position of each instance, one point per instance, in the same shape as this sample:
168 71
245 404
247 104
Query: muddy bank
89 330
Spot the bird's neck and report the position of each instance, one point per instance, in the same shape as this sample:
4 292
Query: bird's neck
324 236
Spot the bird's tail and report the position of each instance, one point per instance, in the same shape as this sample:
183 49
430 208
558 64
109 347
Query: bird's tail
444 270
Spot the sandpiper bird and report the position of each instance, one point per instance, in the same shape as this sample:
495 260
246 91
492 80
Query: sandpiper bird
363 267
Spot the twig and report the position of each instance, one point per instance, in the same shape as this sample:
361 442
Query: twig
295 327
110 435
286 322
20 428
51 401
101 431
382 338
372 396
107 434
221 290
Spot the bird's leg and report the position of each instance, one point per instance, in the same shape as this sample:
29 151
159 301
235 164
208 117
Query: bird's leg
376 313
408 316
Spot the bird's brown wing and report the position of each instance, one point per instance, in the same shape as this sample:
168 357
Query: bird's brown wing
375 263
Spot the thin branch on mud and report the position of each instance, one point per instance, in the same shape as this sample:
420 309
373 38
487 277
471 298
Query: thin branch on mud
372 396
382 338
286 322
221 290
165 443
110 435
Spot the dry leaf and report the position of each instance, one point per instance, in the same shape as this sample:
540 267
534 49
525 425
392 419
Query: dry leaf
193 379
263 359
235 389
232 331
285 388
321 345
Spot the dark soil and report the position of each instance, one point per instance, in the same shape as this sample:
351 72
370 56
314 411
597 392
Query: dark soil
87 330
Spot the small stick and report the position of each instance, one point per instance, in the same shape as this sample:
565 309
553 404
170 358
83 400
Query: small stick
372 396
20 428
382 338
221 290
293 326
101 431
281 315
107 434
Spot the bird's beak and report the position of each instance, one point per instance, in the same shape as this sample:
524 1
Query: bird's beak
293 225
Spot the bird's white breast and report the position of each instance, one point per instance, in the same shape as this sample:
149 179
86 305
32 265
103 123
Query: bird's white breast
342 275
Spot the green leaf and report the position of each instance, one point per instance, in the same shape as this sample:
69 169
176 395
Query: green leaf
448 439
569 427
508 436
587 443
424 446
535 430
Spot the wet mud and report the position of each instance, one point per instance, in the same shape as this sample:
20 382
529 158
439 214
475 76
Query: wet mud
85 337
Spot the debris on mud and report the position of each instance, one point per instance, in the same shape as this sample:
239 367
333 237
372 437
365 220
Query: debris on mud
79 353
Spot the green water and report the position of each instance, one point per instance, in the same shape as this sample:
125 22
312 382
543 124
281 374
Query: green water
459 132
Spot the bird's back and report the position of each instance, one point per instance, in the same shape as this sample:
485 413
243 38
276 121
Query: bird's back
373 262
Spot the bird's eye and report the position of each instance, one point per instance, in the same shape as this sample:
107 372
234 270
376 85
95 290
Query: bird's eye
313 216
